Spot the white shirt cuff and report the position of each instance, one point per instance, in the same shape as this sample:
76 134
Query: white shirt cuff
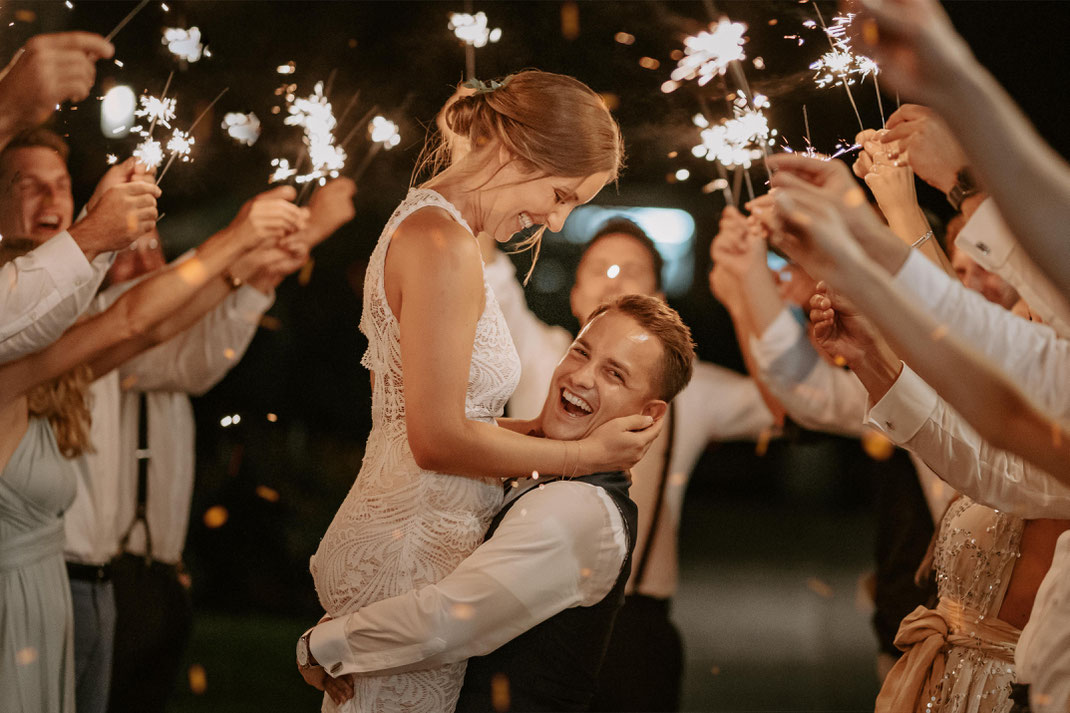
905 408
328 644
986 238
248 304
780 336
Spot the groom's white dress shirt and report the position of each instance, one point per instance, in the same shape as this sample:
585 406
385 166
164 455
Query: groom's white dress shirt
562 545
43 292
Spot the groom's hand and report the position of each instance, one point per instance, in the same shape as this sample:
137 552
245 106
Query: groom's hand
339 689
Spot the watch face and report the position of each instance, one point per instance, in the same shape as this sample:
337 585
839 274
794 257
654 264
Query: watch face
302 651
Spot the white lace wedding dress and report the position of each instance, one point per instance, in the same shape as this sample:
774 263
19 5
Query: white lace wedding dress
401 527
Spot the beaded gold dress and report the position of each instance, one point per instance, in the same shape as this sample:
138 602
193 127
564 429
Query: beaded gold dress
401 527
959 657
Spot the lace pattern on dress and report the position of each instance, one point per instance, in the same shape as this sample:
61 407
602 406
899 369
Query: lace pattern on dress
401 527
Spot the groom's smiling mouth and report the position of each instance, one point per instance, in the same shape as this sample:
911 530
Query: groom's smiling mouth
575 405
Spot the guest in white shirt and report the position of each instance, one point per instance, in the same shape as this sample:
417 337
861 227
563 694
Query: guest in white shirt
153 610
644 663
556 561
44 291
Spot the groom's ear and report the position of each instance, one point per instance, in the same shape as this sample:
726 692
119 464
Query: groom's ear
655 409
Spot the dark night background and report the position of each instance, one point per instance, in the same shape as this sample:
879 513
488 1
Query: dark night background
772 547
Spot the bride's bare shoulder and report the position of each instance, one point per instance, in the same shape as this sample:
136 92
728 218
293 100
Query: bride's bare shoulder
432 231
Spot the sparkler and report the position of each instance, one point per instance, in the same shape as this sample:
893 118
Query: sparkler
184 44
384 134
149 153
709 54
181 142
122 23
472 30
841 62
315 116
243 128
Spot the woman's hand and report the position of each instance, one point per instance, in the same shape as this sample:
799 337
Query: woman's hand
814 233
616 445
339 689
270 216
839 329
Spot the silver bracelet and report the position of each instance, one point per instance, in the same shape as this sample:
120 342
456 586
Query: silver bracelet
922 239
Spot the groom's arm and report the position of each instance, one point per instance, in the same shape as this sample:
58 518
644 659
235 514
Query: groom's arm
559 546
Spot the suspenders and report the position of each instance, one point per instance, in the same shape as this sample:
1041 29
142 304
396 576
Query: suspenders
142 455
648 546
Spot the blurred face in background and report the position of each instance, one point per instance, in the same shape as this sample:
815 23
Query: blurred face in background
35 194
614 265
144 255
991 286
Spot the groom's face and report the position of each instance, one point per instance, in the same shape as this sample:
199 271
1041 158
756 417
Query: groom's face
611 370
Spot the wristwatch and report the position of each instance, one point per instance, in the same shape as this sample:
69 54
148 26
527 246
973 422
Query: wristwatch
304 654
965 186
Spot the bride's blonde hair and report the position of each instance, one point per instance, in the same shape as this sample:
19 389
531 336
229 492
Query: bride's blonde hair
550 122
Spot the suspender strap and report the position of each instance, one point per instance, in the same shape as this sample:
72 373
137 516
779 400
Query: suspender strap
652 532
142 455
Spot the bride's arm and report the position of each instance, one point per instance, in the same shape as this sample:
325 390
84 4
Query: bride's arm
131 320
433 267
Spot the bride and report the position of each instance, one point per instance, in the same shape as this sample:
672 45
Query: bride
443 363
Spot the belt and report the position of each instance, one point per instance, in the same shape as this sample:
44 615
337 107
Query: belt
89 572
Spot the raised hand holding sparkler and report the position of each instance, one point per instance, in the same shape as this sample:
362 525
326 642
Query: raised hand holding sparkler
46 71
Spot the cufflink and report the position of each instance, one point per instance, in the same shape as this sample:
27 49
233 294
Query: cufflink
983 248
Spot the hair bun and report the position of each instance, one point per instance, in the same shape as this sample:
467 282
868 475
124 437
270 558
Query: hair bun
464 113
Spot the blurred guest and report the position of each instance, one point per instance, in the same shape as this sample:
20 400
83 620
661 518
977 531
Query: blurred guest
44 441
644 663
44 291
154 447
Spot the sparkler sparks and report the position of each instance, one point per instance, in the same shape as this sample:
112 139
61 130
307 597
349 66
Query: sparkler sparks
315 116
384 132
244 128
184 44
180 144
282 170
708 54
149 153
472 29
734 142
156 109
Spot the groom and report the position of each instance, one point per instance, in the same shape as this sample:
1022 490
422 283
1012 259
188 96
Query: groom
533 606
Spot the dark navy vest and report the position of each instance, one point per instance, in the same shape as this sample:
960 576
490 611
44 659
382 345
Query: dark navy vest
553 666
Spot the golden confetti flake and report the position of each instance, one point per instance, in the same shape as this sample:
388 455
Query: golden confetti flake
215 517
762 446
570 20
624 38
229 353
939 333
269 494
192 271
463 612
839 360
198 679
649 63
499 684
128 382
26 656
854 198
876 445
819 587
305 276
272 417
585 572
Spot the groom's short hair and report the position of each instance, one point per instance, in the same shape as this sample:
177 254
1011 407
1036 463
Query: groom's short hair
661 320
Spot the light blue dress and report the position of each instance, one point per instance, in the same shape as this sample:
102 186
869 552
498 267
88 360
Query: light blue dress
36 619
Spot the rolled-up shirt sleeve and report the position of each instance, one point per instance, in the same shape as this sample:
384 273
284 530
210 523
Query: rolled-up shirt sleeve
914 416
43 292
559 546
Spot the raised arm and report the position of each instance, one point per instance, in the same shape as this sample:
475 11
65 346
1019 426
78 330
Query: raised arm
816 235
920 54
131 319
434 285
